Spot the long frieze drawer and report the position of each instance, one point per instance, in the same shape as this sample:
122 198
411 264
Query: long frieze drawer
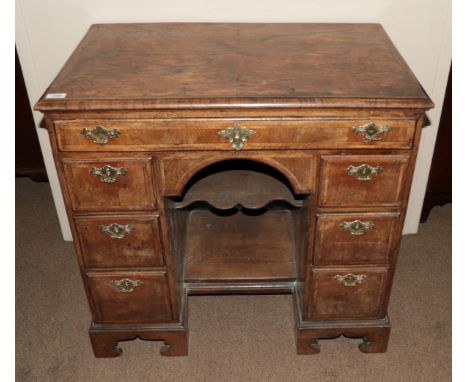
110 184
222 134
347 293
130 297
362 180
120 241
355 238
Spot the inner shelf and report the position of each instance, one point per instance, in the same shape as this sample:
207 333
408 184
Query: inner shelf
231 188
240 247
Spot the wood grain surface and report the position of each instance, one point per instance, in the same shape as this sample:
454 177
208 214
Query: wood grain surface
197 65
202 134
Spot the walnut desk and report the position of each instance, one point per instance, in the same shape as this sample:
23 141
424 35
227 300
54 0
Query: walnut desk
235 158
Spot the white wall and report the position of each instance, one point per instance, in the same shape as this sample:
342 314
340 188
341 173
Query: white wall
47 31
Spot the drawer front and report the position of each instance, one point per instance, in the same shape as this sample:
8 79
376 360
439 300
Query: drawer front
362 180
347 293
110 184
120 241
204 134
130 297
355 238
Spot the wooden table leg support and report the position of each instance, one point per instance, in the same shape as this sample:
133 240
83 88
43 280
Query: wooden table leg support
375 338
105 342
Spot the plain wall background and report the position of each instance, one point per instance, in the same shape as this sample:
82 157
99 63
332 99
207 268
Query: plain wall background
47 32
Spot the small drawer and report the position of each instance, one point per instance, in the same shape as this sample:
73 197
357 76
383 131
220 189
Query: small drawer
355 238
362 180
110 184
120 241
347 293
220 134
130 297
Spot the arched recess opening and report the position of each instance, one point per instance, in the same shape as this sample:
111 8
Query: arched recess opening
238 221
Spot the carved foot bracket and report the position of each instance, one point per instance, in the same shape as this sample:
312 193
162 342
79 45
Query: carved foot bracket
375 338
105 342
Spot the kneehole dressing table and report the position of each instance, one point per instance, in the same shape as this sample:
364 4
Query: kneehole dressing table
199 158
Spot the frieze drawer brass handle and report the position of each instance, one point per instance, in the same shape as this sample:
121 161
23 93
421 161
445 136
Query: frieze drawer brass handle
364 171
115 230
371 132
100 134
357 227
126 285
237 135
350 280
108 174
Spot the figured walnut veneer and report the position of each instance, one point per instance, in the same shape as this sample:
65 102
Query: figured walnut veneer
235 158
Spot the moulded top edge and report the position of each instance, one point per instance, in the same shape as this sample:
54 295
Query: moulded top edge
46 105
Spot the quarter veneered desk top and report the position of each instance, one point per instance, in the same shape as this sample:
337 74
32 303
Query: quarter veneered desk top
201 65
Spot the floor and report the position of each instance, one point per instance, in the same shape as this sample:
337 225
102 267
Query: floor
232 338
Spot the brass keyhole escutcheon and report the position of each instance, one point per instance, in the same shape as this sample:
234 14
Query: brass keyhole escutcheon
237 135
350 280
357 227
100 135
108 174
126 285
371 132
115 230
364 172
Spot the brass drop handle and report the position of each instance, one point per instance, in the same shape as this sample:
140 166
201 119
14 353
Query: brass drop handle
126 285
115 230
357 227
99 134
371 132
237 135
350 280
108 174
364 172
